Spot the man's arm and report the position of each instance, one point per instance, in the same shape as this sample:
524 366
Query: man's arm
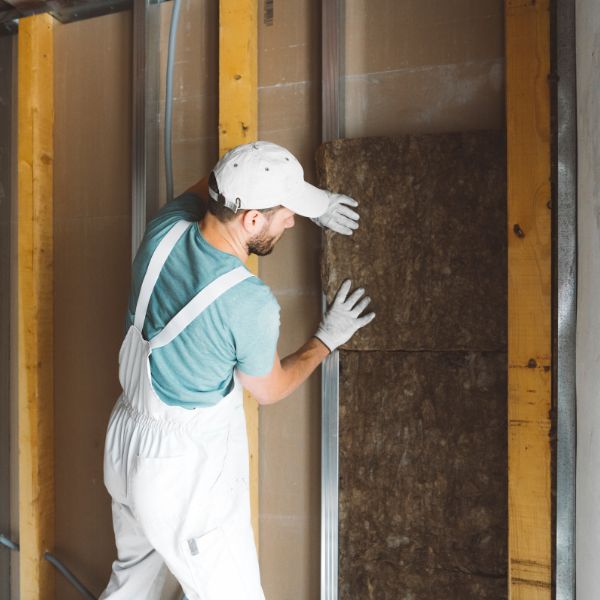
287 374
341 321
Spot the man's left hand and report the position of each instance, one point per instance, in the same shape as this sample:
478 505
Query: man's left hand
339 217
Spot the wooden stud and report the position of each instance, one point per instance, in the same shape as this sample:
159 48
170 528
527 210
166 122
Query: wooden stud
238 124
238 83
35 302
529 298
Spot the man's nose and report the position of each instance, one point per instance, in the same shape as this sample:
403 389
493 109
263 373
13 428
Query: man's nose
290 222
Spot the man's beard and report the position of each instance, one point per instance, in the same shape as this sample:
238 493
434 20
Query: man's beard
262 244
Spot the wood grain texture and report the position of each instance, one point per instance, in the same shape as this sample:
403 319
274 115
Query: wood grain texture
529 298
238 94
238 124
35 305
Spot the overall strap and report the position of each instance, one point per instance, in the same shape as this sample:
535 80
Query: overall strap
157 261
200 302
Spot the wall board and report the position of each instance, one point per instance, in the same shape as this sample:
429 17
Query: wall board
422 66
92 227
289 113
7 168
588 293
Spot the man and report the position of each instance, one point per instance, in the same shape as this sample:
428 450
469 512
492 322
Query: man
201 326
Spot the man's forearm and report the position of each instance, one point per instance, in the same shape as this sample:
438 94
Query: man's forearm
287 374
298 366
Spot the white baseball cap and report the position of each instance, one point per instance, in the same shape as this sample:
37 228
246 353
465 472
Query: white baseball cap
264 175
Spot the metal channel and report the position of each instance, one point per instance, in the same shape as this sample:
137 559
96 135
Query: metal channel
329 477
332 85
565 225
145 134
332 128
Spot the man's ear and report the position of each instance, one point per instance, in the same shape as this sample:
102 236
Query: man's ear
253 221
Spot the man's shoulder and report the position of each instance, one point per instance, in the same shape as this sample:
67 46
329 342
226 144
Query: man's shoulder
185 207
254 290
252 297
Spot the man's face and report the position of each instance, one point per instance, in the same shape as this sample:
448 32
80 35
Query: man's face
263 242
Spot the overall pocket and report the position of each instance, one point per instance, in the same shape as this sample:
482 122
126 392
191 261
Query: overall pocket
157 489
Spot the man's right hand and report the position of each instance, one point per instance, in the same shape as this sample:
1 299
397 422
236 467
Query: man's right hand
343 318
339 324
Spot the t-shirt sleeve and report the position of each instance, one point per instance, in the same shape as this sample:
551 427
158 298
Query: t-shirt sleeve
256 335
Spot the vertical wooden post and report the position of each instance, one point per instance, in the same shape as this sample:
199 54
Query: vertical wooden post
238 124
529 298
35 301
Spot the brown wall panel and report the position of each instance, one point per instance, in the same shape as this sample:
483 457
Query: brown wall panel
423 66
384 35
92 227
7 291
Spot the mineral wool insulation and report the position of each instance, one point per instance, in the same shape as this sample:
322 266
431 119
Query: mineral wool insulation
423 447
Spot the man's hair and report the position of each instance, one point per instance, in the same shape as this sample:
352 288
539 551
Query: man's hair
218 208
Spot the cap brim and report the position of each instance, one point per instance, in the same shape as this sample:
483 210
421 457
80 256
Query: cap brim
307 201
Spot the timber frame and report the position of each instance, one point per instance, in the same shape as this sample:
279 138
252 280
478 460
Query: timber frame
532 371
529 299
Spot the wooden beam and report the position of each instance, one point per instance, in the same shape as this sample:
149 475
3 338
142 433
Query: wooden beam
35 301
238 76
529 298
238 124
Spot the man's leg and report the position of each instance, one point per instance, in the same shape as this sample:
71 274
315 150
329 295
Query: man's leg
195 511
139 571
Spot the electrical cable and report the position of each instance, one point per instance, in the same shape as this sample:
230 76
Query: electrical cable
57 564
8 543
69 576
168 134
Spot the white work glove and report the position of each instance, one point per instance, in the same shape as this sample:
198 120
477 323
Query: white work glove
342 319
339 217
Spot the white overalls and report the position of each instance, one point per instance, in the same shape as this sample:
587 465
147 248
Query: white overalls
178 477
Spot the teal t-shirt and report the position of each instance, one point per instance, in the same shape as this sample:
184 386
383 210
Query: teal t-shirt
239 330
